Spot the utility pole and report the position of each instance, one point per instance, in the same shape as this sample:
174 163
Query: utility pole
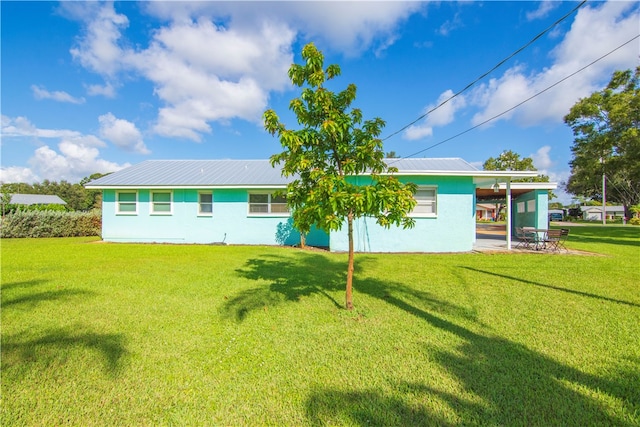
604 199
604 193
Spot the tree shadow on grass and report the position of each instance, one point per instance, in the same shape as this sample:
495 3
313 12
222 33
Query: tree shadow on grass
20 351
628 236
21 285
556 288
514 384
34 297
366 408
56 344
289 279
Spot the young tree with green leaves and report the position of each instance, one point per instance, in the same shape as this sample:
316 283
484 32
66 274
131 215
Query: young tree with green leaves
606 129
334 146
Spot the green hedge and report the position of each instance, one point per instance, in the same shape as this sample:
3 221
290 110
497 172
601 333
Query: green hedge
31 223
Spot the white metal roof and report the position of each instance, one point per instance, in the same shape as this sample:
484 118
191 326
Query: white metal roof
36 199
260 173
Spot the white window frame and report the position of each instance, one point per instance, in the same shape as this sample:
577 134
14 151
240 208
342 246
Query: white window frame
426 202
269 203
531 205
520 207
119 203
200 203
152 203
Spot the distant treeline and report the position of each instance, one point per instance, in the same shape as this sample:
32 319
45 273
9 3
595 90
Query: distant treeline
77 197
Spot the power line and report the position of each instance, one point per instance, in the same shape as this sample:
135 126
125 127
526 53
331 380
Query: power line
522 102
488 72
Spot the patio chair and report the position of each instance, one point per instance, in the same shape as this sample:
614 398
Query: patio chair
564 234
526 238
552 240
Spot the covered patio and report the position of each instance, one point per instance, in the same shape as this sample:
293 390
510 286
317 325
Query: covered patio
525 203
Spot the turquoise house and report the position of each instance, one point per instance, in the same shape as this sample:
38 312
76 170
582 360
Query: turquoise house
236 202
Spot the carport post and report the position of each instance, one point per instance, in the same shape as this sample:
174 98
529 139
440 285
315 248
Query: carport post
509 213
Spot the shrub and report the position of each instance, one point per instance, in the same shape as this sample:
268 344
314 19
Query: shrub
34 223
634 221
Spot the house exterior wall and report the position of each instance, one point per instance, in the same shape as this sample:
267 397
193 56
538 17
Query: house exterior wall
531 210
230 222
451 230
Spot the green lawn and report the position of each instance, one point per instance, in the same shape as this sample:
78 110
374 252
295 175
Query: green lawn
123 334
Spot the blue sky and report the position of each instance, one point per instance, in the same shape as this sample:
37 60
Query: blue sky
94 87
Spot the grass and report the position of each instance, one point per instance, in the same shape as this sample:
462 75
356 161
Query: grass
124 334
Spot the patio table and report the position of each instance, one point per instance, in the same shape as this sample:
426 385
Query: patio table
539 238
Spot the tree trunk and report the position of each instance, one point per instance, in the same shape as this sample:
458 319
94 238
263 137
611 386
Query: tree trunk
303 240
349 293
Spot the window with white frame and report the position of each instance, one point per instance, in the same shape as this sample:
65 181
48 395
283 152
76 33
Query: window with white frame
426 198
127 202
531 206
267 204
161 202
520 207
205 203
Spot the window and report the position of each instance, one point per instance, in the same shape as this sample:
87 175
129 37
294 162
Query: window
267 204
531 206
127 202
161 203
520 207
205 204
427 205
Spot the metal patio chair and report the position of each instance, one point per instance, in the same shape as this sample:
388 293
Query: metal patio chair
525 238
564 234
552 240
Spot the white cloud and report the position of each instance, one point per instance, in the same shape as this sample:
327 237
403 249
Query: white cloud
21 126
14 174
73 161
602 27
204 71
107 90
440 117
349 27
541 159
544 8
60 96
122 133
77 156
450 25
98 48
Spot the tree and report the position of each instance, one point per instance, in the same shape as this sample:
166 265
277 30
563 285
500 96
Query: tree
77 197
5 199
606 133
332 148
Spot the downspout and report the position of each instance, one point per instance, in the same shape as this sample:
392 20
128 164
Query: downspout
509 214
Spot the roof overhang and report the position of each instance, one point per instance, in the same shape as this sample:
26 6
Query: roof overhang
488 193
183 187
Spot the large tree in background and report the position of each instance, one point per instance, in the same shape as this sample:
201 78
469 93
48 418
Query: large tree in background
607 141
333 146
511 161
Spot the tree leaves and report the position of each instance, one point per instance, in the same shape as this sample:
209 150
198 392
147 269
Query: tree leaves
606 133
337 160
